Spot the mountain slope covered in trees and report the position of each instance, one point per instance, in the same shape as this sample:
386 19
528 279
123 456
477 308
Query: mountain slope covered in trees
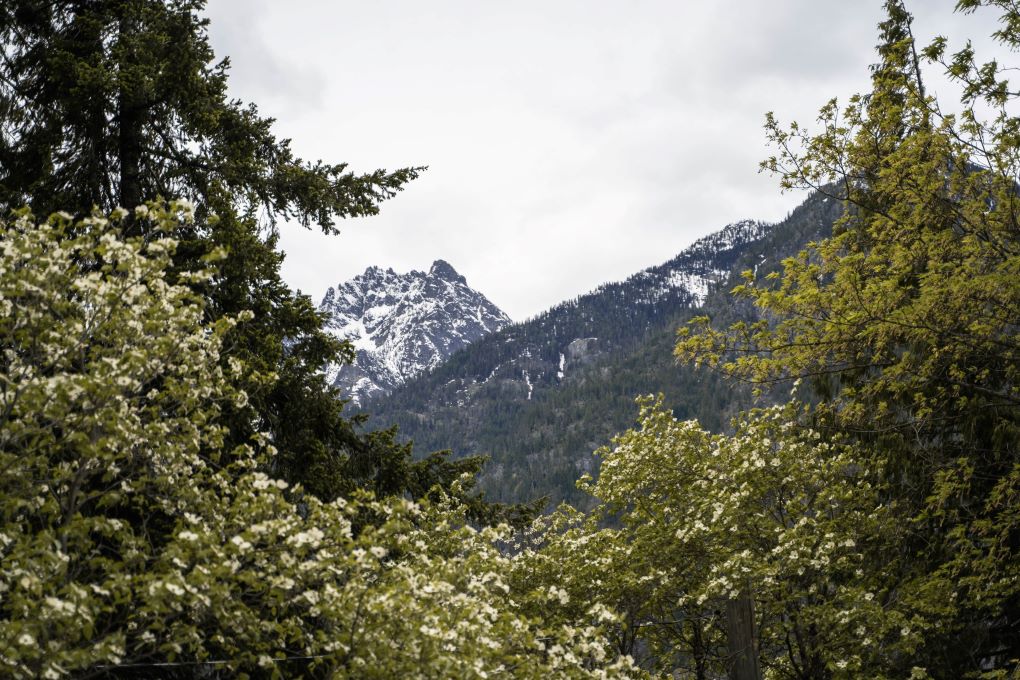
539 396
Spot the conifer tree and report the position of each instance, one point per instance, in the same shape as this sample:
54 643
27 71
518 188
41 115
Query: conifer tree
112 103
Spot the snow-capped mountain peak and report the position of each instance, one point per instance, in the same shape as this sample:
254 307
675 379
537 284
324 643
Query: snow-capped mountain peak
404 324
443 270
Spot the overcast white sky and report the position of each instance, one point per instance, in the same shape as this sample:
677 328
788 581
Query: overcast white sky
569 142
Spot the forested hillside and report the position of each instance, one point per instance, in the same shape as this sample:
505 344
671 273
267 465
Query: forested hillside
540 396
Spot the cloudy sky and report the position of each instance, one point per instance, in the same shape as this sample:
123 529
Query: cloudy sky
569 142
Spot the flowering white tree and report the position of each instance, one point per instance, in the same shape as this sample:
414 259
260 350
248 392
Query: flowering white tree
772 513
129 537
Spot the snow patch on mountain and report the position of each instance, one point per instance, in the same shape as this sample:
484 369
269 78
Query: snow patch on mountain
701 266
401 325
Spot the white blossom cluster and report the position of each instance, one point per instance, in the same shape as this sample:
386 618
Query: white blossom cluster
773 513
128 533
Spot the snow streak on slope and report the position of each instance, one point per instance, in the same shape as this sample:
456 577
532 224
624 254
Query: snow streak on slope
699 267
403 324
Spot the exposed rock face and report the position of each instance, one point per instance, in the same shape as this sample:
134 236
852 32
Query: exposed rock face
404 324
581 350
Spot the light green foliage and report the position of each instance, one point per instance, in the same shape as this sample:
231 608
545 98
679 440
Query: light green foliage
771 510
129 535
568 557
904 323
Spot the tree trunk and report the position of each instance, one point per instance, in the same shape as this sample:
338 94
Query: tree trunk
699 651
129 121
742 638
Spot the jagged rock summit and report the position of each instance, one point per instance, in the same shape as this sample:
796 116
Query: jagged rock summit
403 324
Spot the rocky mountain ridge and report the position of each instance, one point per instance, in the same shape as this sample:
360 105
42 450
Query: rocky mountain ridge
541 351
403 324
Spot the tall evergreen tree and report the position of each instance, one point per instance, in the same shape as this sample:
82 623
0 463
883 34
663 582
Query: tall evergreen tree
117 102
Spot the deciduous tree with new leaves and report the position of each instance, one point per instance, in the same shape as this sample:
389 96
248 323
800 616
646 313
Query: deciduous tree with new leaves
905 324
773 511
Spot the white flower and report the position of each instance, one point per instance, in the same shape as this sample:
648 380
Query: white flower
58 605
241 544
602 613
312 537
559 594
187 207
